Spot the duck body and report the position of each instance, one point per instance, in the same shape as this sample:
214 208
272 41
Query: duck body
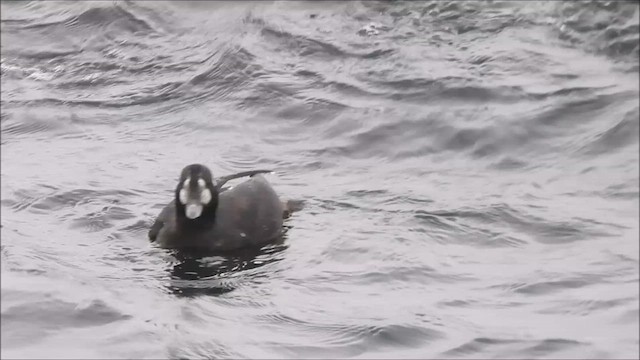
247 215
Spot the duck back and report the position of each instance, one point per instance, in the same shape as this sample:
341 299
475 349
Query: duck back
249 214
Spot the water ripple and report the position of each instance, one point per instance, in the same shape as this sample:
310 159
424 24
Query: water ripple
469 174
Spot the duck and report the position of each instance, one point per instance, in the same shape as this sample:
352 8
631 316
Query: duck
204 216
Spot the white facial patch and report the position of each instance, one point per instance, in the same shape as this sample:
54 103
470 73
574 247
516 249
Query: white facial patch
205 196
192 211
183 196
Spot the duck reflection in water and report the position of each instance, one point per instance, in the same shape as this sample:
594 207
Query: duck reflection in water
197 274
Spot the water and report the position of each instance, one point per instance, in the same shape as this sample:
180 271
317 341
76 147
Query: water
469 173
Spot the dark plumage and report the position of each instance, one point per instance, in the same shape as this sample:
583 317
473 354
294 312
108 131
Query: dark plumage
203 216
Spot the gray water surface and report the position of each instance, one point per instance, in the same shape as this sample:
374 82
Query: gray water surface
469 172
